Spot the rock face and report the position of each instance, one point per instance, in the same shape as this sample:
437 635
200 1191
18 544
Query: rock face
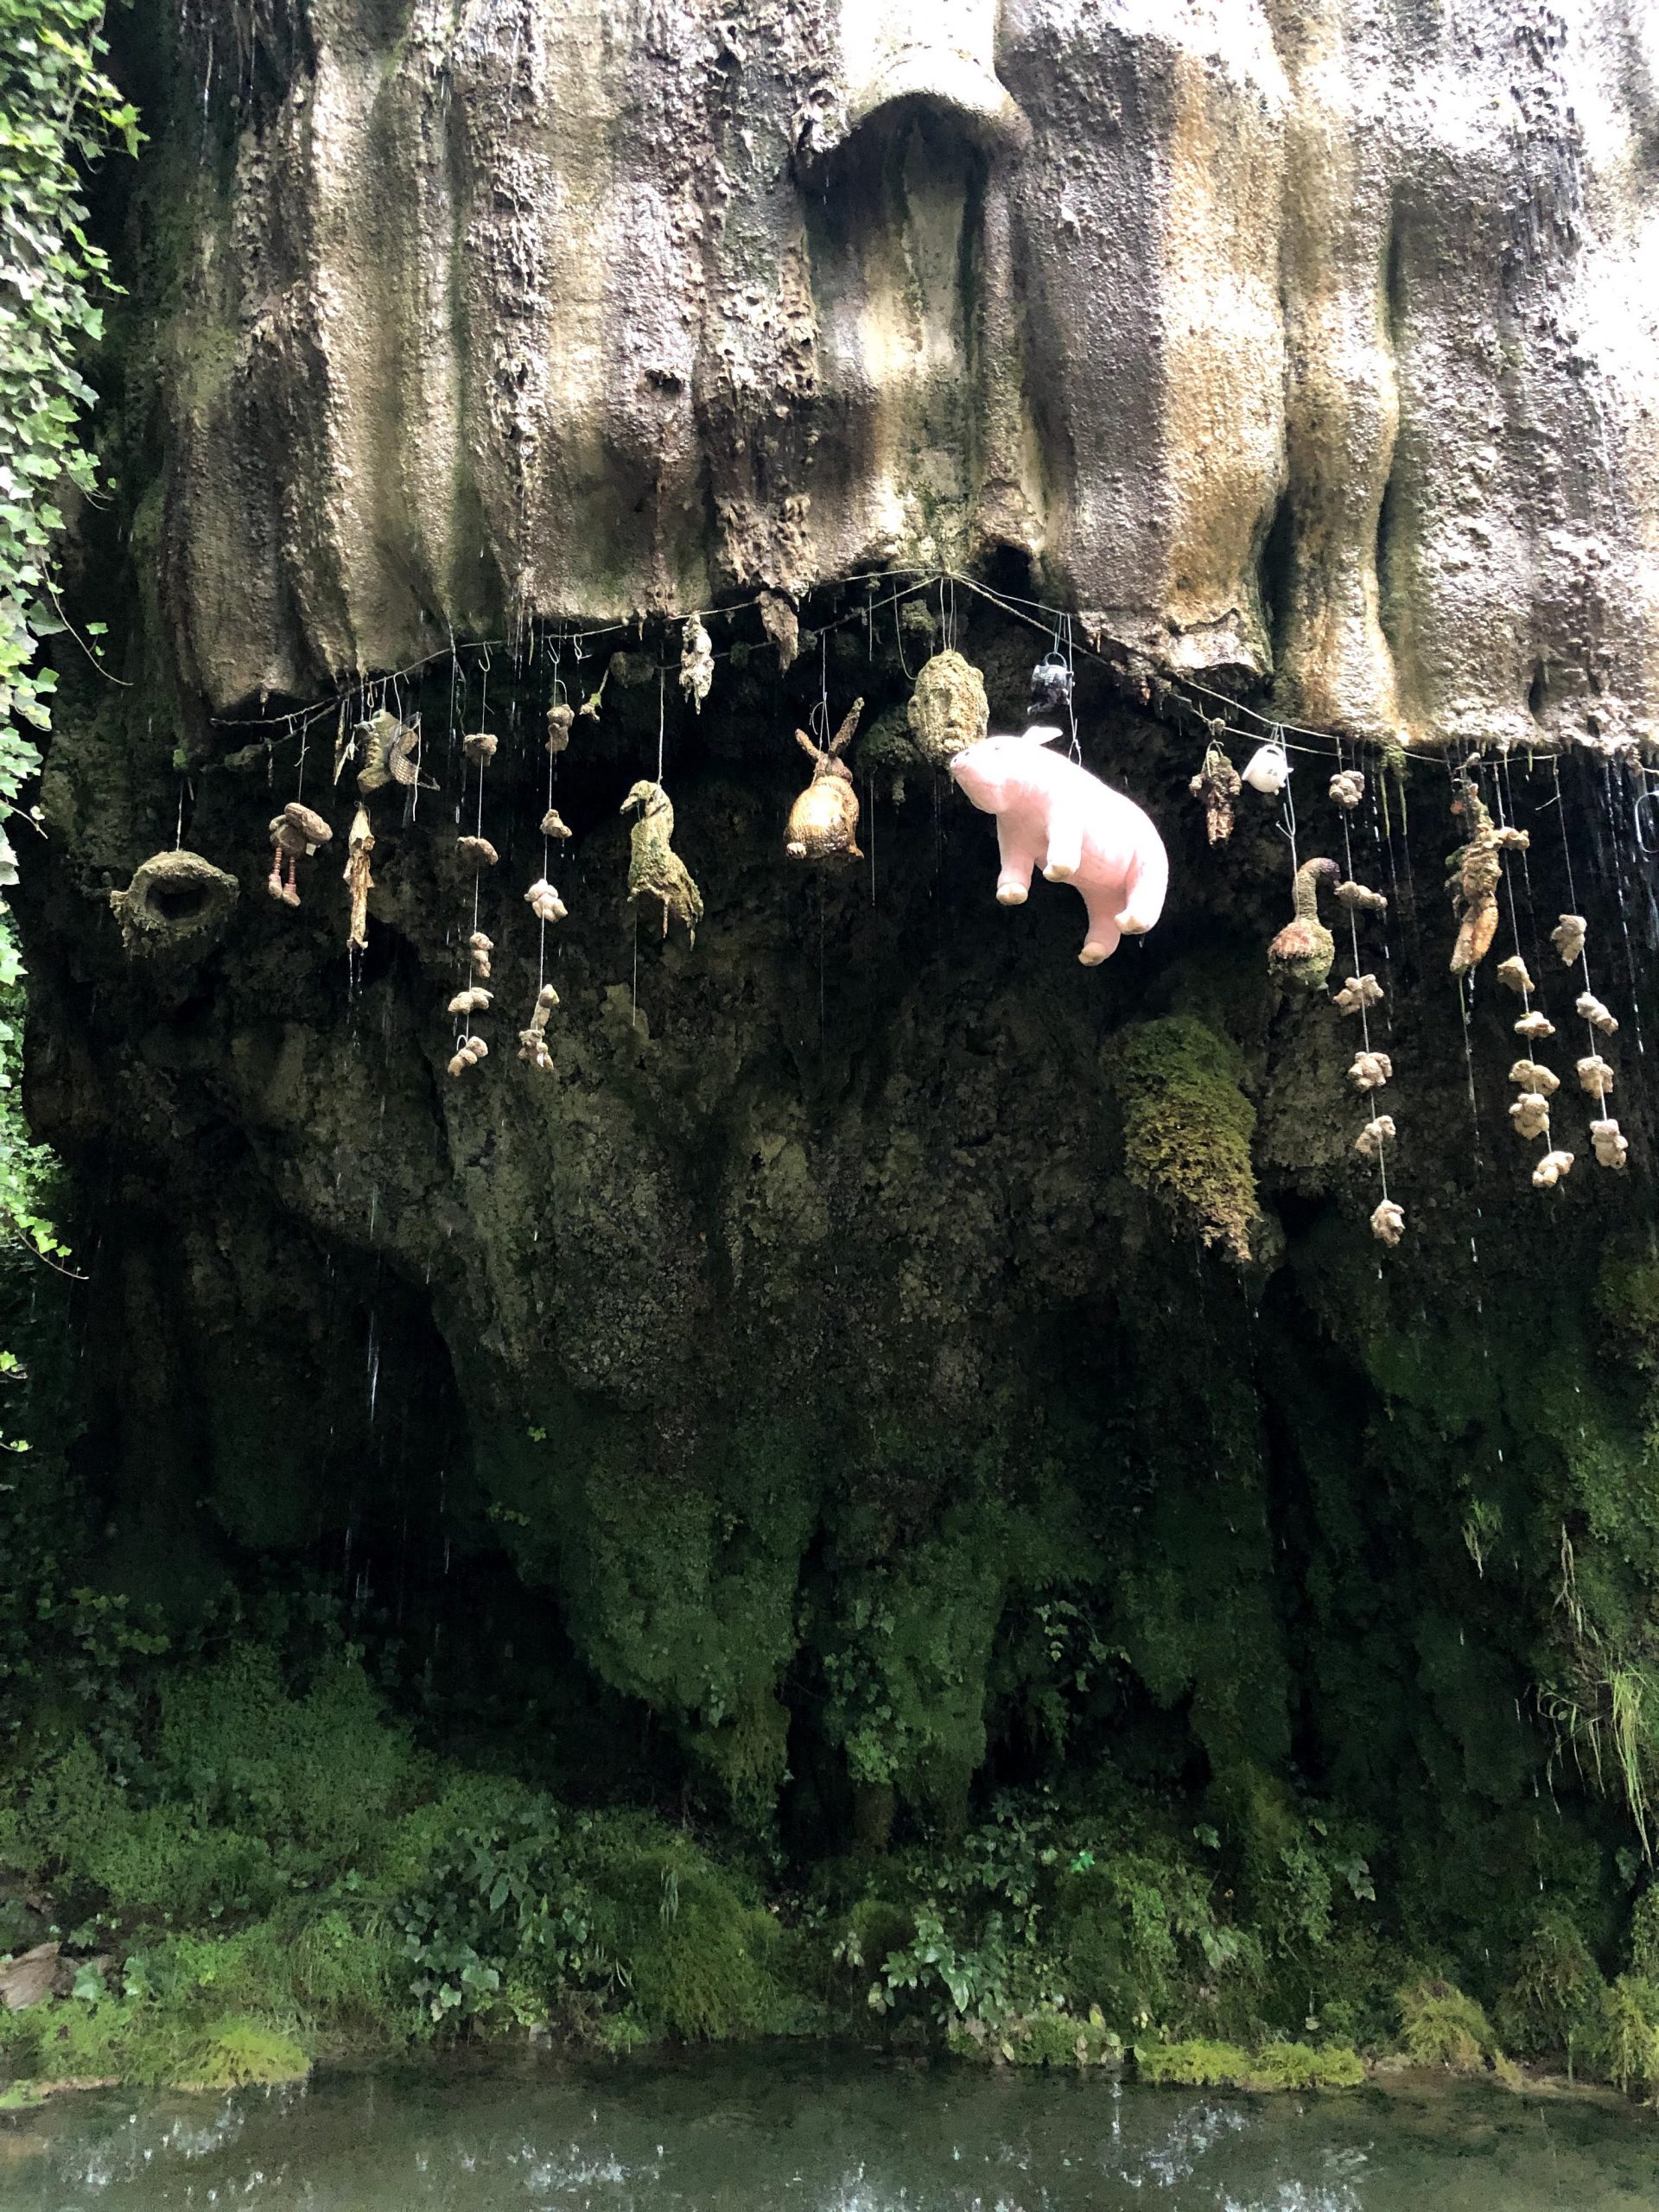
833 1350
1307 338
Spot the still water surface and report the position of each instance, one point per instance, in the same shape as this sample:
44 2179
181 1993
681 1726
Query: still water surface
816 2134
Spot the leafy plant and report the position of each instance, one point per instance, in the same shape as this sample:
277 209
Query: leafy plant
500 1918
1440 2026
57 111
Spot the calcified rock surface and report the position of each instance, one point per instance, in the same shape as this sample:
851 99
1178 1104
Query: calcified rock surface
1302 337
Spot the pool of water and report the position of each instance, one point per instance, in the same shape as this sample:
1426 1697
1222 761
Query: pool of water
811 2133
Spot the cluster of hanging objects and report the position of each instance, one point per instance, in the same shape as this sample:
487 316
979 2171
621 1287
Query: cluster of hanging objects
1052 814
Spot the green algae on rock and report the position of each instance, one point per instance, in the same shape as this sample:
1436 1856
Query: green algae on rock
1187 1127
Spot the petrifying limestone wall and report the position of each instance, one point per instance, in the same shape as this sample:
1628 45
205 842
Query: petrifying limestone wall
1301 336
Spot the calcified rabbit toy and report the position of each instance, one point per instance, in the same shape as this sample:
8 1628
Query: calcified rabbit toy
1053 815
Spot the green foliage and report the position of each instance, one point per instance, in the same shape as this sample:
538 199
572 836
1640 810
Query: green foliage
28 1170
1202 2064
1440 2026
1645 1934
1628 2047
1047 2036
500 1919
1553 2000
58 111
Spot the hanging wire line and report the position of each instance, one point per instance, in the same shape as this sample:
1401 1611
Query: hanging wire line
1514 929
1287 822
1057 622
1584 950
1374 1098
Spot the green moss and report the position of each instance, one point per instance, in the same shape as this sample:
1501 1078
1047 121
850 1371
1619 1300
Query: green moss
1187 1126
1440 2026
239 2053
698 1958
1202 2064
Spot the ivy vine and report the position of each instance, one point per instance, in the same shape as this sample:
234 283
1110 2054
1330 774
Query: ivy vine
59 112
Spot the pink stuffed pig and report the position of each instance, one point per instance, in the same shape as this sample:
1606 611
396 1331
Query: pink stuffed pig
1053 815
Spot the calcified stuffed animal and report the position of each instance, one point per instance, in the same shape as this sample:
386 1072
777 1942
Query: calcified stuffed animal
823 821
1053 815
1474 872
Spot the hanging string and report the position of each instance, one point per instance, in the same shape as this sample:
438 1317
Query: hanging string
1374 1099
1515 932
1584 950
1287 817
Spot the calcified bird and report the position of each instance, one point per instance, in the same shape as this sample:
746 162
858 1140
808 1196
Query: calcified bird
823 821
655 870
1304 949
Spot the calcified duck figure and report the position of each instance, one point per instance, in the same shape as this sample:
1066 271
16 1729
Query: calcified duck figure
823 821
295 833
655 870
1304 949
1474 872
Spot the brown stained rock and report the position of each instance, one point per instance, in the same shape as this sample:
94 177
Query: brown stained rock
28 1978
1174 332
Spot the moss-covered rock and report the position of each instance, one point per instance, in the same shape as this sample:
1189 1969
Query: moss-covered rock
1187 1127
